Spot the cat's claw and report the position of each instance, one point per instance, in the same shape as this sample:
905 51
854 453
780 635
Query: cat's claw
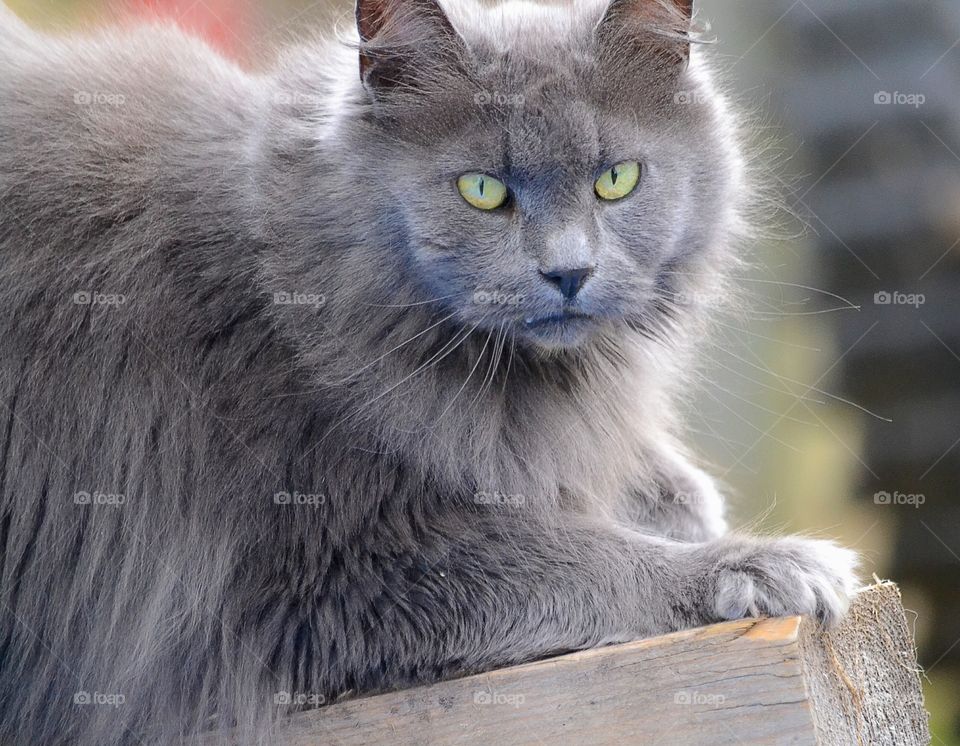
781 577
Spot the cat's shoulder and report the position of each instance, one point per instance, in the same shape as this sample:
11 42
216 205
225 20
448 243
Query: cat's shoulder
98 123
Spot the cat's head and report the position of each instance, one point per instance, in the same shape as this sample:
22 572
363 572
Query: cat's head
559 172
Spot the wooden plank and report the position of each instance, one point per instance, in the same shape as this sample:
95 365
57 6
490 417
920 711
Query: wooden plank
766 681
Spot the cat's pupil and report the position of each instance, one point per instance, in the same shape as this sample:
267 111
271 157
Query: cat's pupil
613 176
481 187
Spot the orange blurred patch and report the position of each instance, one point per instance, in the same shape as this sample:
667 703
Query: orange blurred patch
225 24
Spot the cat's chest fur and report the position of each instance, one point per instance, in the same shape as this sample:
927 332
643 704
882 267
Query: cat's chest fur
578 444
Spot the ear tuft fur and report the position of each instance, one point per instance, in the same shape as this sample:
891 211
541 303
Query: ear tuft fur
398 38
663 24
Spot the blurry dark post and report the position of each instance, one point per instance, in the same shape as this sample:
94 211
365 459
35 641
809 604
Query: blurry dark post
872 90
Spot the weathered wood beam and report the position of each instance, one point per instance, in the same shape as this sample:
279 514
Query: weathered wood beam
766 681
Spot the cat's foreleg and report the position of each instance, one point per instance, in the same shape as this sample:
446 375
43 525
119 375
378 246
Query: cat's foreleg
483 592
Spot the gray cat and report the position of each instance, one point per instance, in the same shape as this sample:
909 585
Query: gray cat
360 373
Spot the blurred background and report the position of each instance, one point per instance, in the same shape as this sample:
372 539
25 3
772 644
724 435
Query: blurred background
831 403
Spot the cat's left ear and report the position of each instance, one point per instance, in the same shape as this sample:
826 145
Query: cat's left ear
401 39
662 24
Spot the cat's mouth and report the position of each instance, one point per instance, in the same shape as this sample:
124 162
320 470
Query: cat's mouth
562 318
562 329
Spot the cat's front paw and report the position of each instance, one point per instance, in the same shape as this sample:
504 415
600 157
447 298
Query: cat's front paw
753 577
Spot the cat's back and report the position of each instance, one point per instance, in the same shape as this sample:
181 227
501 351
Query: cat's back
102 125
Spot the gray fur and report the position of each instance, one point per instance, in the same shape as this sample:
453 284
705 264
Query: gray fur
467 493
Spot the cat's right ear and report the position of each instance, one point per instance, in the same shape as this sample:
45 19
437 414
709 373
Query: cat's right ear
400 40
661 25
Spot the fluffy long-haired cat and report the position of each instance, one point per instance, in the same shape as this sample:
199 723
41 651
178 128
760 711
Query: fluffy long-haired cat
361 372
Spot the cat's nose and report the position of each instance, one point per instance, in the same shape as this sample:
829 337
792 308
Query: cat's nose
568 281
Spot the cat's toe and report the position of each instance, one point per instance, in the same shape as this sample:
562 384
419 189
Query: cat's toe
782 577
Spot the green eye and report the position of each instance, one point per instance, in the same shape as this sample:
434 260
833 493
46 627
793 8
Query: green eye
482 191
619 181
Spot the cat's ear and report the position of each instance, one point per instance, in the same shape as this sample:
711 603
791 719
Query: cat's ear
400 38
663 25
